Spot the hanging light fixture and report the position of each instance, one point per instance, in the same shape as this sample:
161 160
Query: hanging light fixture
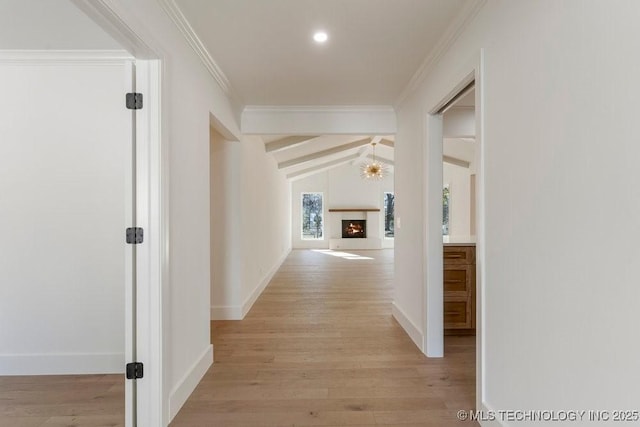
374 170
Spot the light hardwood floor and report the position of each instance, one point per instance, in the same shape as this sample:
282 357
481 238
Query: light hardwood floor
62 400
320 347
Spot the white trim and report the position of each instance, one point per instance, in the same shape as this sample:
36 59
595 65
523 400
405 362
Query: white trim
189 381
152 215
451 34
432 290
236 312
153 203
226 312
251 299
409 327
486 409
481 261
62 364
433 275
64 57
178 18
107 16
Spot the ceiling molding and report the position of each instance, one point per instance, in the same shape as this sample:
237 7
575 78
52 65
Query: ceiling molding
467 108
321 167
455 161
319 120
323 153
288 142
105 15
64 57
178 18
453 32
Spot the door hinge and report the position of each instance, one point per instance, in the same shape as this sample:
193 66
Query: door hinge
134 370
135 235
134 101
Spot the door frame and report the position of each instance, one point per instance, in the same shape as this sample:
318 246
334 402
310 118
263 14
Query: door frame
152 205
433 312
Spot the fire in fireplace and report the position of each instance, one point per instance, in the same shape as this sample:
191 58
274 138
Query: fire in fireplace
354 228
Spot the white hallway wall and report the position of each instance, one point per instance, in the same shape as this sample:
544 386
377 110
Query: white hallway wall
63 157
560 282
250 235
342 187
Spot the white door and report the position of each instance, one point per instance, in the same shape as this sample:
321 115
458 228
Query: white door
66 198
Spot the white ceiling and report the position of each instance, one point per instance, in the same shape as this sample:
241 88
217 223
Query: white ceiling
49 25
266 51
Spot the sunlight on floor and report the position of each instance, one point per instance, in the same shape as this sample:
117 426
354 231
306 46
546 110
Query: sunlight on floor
345 255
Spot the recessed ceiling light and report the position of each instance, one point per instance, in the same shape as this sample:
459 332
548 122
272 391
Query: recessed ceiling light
320 37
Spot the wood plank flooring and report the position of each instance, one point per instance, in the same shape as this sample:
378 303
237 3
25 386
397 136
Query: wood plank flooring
62 400
320 348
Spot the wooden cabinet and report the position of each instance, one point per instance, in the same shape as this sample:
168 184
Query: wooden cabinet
459 290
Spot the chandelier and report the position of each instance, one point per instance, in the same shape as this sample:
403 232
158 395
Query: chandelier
374 170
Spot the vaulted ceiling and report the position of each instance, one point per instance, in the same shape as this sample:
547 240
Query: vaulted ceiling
301 156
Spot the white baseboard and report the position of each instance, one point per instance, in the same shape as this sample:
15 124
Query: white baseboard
236 312
409 327
189 381
251 299
62 364
226 312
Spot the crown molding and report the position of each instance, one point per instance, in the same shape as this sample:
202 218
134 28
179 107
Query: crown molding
178 18
110 18
63 57
452 33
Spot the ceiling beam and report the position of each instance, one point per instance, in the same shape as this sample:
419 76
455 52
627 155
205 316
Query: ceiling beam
454 161
361 155
322 167
287 142
323 153
364 150
387 143
382 160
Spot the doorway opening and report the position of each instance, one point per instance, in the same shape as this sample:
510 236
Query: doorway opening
455 221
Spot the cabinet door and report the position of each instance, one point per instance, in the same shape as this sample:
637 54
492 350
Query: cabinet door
458 296
459 255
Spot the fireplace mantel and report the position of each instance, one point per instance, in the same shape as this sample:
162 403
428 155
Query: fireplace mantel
355 210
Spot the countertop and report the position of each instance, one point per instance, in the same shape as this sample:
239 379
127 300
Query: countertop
459 240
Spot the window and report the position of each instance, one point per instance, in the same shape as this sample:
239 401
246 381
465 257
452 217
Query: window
312 225
446 199
389 212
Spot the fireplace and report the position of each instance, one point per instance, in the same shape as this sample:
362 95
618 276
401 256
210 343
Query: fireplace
354 228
